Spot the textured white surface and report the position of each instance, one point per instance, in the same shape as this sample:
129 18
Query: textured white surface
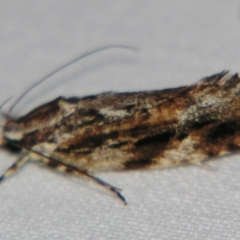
180 42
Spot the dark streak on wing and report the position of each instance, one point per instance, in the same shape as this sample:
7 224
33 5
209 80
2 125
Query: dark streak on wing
159 139
137 163
182 136
88 142
118 145
224 130
146 149
66 151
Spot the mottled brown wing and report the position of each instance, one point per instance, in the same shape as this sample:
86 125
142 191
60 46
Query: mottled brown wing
115 131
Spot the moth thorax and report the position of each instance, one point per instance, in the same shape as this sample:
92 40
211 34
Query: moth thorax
12 131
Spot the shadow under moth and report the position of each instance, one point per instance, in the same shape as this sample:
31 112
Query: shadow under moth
131 130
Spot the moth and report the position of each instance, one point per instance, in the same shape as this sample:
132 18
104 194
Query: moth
131 130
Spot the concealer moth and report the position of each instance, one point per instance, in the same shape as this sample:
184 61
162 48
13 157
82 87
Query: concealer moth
131 130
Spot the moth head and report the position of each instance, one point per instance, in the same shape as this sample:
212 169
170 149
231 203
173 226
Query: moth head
12 131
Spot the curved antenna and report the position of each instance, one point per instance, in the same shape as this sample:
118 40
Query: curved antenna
1 106
63 67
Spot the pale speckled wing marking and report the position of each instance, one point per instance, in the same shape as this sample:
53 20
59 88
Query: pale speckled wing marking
115 131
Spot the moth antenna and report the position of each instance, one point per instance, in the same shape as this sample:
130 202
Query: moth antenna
1 106
63 67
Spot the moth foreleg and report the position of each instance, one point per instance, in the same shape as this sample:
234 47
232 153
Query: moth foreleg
17 165
113 189
71 169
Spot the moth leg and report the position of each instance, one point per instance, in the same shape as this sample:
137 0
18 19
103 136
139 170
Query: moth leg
13 169
71 169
